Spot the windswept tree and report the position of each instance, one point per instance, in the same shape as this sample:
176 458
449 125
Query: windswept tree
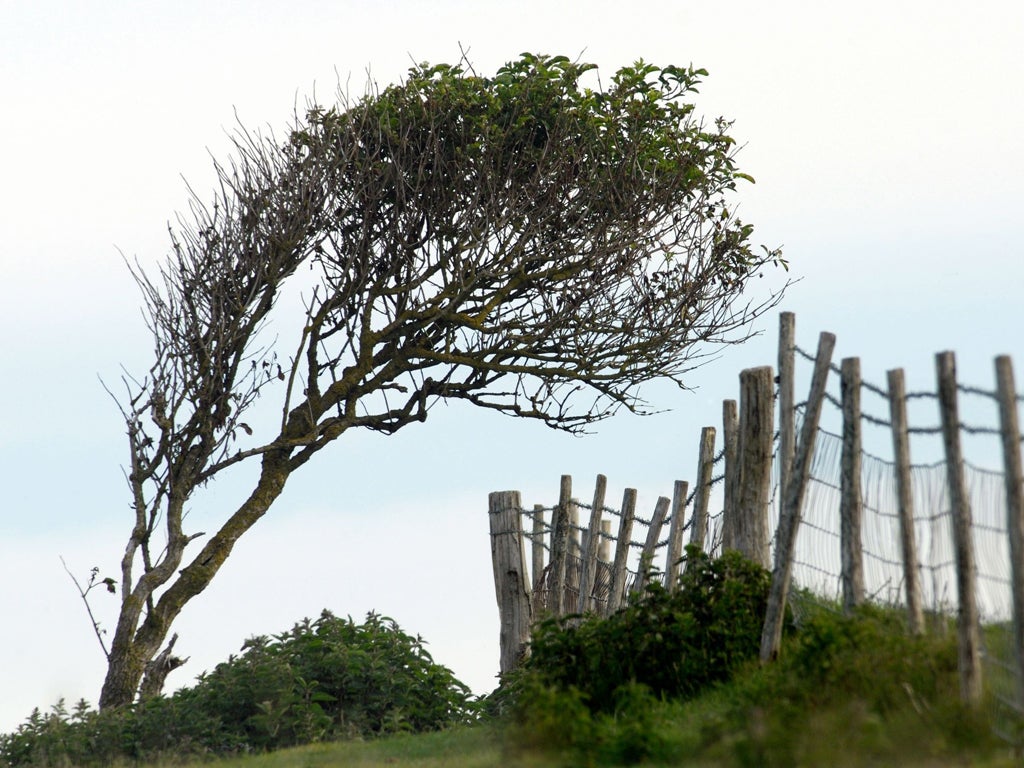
520 242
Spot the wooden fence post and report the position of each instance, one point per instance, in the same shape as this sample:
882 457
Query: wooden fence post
904 493
675 534
757 422
705 468
789 520
967 612
1014 478
604 573
618 580
647 555
574 527
604 549
573 559
511 583
559 548
731 439
851 507
537 548
589 575
787 399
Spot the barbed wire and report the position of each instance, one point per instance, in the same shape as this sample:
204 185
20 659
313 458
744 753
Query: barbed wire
994 579
881 422
882 559
816 568
884 391
548 528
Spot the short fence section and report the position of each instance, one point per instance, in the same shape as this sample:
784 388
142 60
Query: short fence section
825 515
592 567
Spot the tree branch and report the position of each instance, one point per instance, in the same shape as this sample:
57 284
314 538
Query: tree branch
84 594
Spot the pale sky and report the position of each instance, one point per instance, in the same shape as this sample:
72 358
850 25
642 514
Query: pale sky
884 137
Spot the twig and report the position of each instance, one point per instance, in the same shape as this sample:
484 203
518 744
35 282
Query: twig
83 593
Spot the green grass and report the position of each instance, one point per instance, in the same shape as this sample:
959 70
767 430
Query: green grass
471 747
838 736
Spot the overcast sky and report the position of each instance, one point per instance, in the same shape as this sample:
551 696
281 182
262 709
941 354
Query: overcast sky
884 137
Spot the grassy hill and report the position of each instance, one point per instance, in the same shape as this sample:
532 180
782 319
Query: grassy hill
846 692
672 680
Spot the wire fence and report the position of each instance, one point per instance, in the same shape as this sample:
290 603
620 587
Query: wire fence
542 535
817 560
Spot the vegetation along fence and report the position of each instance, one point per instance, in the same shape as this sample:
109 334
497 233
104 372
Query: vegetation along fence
811 504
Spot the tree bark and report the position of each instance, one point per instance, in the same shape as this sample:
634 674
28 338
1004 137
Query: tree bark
159 668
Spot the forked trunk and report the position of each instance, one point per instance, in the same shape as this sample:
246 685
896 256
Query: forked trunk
133 650
124 675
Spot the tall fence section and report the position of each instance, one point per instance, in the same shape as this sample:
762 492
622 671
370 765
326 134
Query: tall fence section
825 515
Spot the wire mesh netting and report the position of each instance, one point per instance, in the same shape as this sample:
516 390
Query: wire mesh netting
817 559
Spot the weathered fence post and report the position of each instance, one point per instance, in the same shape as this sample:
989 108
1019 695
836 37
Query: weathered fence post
573 560
1014 478
851 506
604 566
757 422
675 535
967 612
731 439
511 583
589 576
787 399
559 548
537 548
604 548
651 543
904 494
574 527
618 581
789 519
705 467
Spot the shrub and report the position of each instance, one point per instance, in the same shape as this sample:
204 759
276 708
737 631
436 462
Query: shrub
873 688
674 643
871 656
324 679
334 678
558 724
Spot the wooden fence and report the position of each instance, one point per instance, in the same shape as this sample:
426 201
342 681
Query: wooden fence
572 568
764 480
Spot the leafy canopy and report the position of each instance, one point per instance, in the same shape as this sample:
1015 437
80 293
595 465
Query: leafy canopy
509 241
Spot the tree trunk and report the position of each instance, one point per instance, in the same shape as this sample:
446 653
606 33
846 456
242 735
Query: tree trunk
134 647
159 668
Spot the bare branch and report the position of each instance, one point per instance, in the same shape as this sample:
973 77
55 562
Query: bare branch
84 594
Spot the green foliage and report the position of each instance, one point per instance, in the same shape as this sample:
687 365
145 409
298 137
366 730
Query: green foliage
879 693
589 160
674 643
558 723
833 653
845 691
595 690
324 679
